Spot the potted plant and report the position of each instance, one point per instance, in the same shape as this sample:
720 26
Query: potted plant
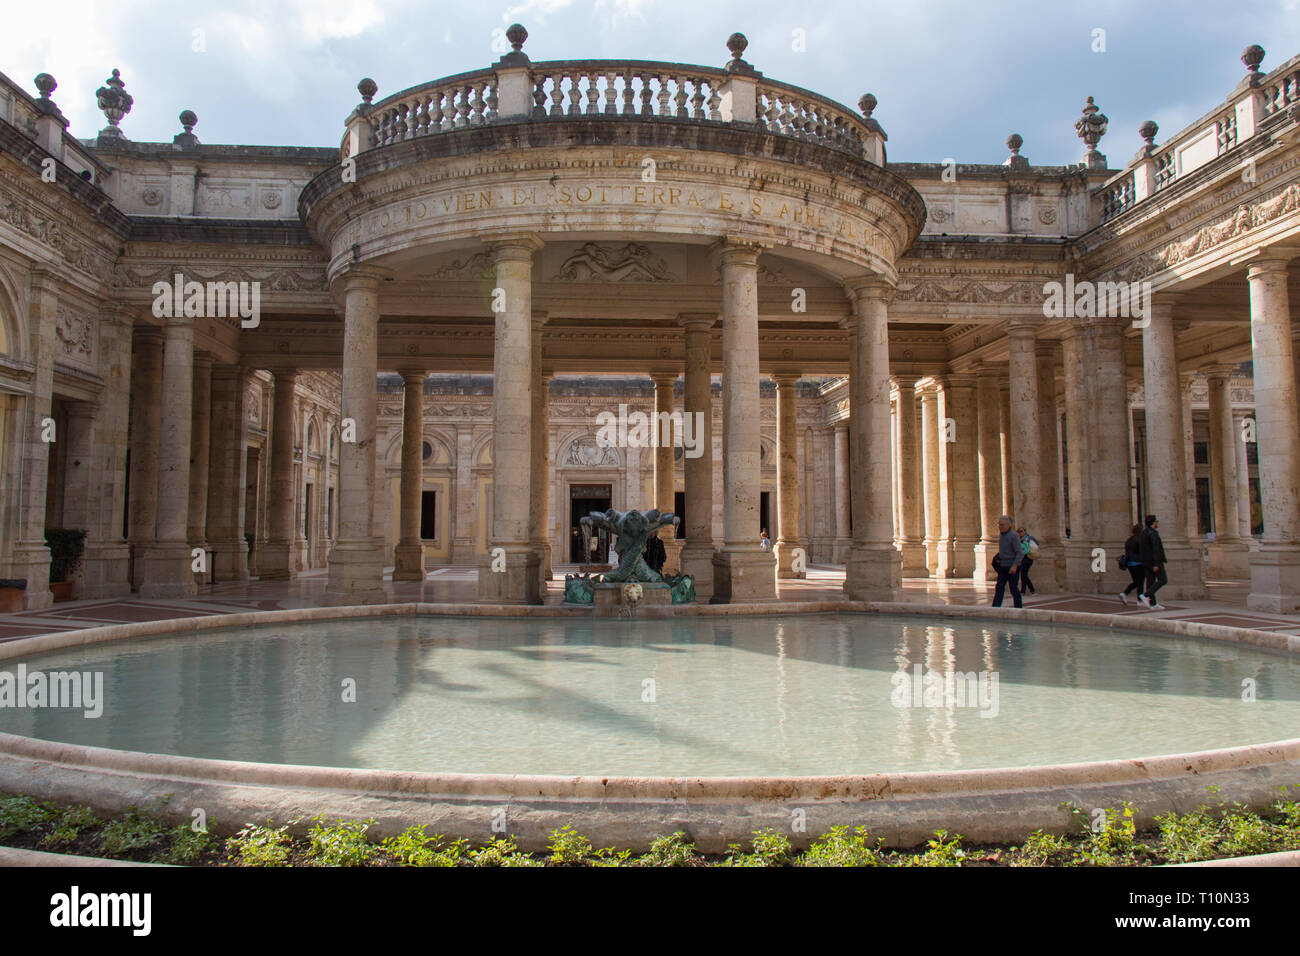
66 547
11 593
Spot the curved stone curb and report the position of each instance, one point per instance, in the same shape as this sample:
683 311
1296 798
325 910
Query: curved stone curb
1287 858
12 856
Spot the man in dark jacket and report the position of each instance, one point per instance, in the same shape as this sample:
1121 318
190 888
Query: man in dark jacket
1007 563
1152 550
655 553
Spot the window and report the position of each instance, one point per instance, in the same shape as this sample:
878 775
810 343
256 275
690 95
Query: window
428 513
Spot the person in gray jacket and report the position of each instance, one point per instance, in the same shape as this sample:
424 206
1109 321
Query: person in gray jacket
1007 563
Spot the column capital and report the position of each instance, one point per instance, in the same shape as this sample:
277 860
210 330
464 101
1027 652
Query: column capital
1187 379
864 288
148 335
966 379
539 319
786 379
513 247
990 370
664 378
413 375
1163 305
1047 348
1273 260
360 276
203 359
1219 370
903 380
284 373
1022 329
697 321
739 250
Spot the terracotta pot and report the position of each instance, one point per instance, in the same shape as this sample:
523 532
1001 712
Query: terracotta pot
62 590
11 599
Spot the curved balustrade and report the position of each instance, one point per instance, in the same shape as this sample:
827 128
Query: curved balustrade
629 89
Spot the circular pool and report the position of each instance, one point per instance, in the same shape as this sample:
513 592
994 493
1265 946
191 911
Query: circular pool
769 696
717 723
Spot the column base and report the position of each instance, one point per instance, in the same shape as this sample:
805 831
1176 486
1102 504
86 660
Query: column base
31 561
1183 569
509 576
408 562
278 561
168 571
740 576
229 560
985 551
785 559
1275 579
1108 578
697 561
1229 559
105 570
931 557
544 572
840 548
963 557
913 552
356 572
673 550
945 560
873 573
464 551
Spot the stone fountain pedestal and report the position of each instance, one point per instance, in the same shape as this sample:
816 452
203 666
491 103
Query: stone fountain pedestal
608 598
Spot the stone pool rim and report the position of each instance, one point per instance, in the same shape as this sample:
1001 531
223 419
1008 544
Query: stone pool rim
997 804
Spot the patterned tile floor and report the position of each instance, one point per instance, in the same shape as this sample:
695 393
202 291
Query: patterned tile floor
457 585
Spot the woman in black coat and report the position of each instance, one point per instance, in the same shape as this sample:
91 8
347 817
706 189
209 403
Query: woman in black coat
1133 562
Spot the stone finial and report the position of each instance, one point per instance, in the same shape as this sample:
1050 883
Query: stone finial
516 34
867 104
187 139
1015 160
46 85
736 44
367 88
1148 132
1091 127
115 102
1252 57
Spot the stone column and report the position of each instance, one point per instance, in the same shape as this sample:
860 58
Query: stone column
508 573
1244 523
855 451
168 564
1185 382
665 483
874 568
1275 567
947 432
78 439
228 470
742 570
356 562
146 417
408 556
1026 436
990 471
1229 555
930 476
840 549
965 474
1049 570
278 557
1078 363
787 481
200 446
1166 482
463 547
1115 511
540 455
107 553
696 558
911 517
1004 435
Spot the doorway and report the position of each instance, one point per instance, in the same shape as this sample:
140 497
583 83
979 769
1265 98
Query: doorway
583 500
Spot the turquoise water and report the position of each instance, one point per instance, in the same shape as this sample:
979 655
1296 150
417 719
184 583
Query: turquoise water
795 695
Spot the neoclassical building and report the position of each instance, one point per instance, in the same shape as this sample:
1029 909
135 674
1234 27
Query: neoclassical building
224 361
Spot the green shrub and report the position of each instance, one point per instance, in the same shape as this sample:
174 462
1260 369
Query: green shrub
413 847
20 814
770 848
135 831
840 848
569 848
1114 843
503 851
187 846
66 547
939 852
257 845
342 843
1045 849
69 825
671 850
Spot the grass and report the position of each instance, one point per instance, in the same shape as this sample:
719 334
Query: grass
1102 837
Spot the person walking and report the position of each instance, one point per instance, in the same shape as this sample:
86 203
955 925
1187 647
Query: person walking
655 554
765 542
1132 562
1029 544
1152 550
1007 563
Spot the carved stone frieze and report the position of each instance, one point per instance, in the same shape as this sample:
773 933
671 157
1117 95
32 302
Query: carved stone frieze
632 262
75 334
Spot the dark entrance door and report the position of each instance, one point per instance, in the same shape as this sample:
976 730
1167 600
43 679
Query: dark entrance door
583 500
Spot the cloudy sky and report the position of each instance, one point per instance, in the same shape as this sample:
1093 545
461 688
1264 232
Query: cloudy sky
953 77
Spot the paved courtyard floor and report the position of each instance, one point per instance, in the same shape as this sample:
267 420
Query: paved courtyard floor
458 585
